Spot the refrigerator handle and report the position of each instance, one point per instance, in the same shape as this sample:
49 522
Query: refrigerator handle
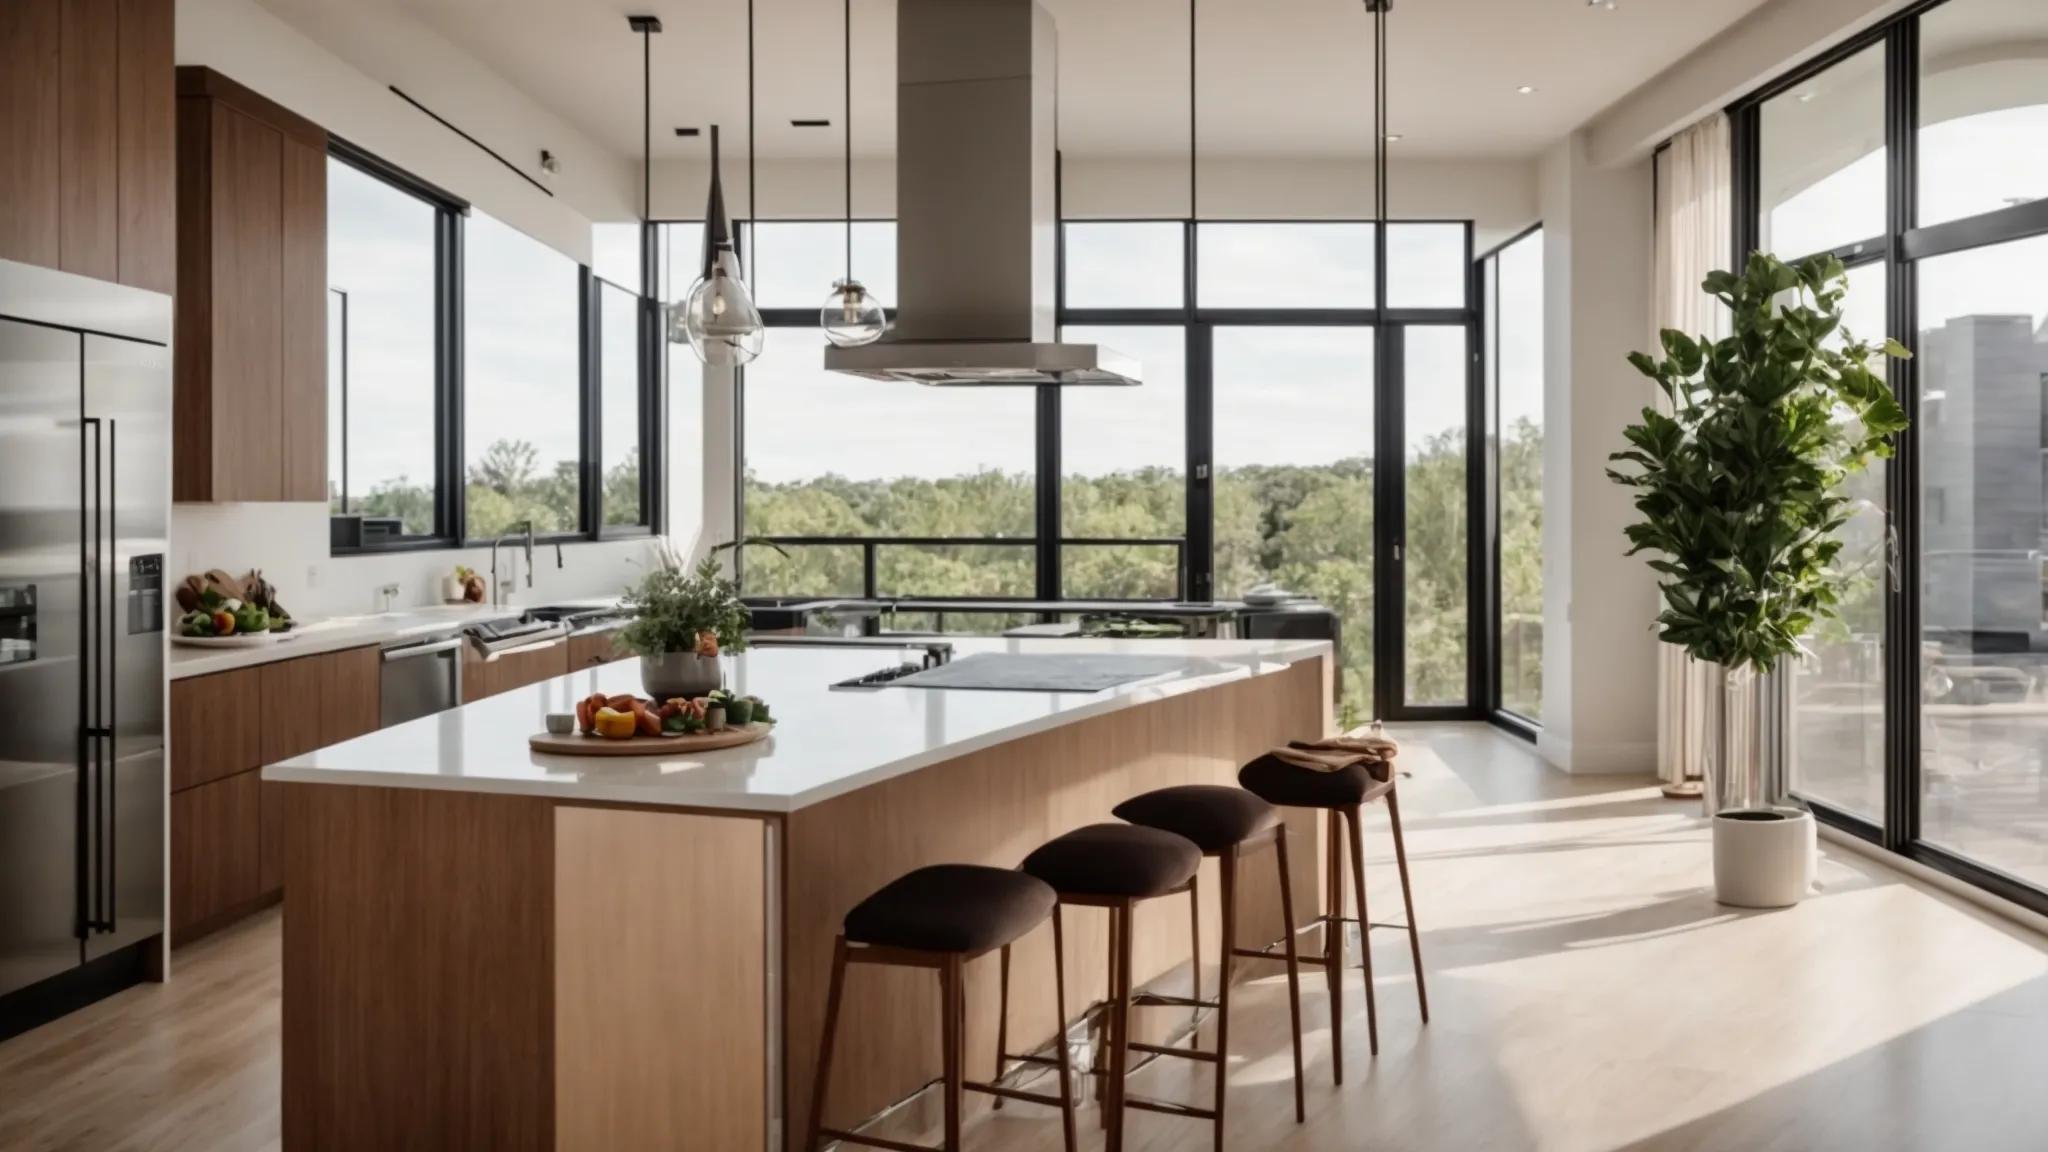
97 914
88 742
109 720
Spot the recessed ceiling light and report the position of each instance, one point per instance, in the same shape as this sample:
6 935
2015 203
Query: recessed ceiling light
1607 4
1526 89
1807 96
1393 137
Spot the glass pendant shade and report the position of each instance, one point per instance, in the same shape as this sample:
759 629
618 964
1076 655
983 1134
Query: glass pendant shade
718 317
851 315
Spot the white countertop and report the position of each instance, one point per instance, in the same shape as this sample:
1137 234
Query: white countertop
337 633
826 743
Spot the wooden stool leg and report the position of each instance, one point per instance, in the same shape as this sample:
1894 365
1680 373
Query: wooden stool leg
1059 999
1372 1020
1407 900
1195 933
1293 967
949 995
1333 942
1002 1024
823 1081
1228 861
1120 1054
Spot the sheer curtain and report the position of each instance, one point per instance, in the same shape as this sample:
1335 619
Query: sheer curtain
1693 218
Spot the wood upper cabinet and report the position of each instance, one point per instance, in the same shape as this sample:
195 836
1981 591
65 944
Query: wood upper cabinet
86 138
250 415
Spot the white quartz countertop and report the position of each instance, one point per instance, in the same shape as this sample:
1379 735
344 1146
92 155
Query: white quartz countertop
339 632
826 742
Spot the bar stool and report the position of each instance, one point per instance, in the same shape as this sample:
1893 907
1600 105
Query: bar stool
1343 794
1222 822
940 917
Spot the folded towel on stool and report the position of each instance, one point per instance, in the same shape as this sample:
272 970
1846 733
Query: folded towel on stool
1336 753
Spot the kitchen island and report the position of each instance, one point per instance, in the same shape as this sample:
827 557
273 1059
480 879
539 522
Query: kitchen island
488 947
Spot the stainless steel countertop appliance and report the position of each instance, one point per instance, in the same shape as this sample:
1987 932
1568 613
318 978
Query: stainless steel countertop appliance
85 390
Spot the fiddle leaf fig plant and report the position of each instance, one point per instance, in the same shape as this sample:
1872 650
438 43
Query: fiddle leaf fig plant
1740 485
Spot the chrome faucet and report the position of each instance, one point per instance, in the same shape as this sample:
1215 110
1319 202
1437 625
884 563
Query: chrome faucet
525 534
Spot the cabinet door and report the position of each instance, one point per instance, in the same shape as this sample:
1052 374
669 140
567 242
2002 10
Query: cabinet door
481 678
247 332
146 145
292 706
30 125
304 415
591 650
216 862
351 703
88 212
214 726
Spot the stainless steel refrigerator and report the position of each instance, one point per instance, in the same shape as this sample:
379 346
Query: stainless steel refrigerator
85 402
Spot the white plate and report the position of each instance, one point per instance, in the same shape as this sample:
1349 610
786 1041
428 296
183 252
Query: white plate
240 640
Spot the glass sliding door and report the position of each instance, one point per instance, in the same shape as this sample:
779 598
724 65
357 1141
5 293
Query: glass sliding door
1432 557
1294 475
1983 426
1511 358
1838 687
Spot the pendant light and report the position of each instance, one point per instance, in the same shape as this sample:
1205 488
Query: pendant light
718 317
852 315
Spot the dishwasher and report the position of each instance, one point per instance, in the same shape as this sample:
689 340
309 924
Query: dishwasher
420 678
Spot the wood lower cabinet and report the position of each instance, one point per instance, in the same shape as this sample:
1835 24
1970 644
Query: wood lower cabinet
227 822
514 669
594 648
216 853
250 352
86 139
214 731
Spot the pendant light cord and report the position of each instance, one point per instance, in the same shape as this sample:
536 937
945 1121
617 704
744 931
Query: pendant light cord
1194 176
846 114
646 124
753 211
1382 348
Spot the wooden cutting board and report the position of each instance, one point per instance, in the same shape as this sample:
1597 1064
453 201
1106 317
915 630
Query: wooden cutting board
577 744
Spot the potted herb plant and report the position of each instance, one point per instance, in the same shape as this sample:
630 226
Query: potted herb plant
683 619
1740 489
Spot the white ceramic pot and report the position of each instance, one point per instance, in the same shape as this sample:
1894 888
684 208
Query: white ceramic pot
1763 857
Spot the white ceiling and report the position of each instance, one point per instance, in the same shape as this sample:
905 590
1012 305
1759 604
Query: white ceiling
1286 77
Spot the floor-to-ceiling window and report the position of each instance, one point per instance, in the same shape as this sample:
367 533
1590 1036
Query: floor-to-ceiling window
1511 291
1246 459
1938 747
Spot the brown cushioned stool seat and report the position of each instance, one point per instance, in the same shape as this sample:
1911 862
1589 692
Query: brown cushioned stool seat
1290 786
951 908
1212 815
1115 860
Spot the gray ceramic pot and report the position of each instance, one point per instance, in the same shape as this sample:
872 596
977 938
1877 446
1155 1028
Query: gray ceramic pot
683 674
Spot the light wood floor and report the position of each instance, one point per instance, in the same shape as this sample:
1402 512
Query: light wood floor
1586 993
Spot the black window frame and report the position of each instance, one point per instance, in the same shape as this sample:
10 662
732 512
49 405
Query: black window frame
1903 245
450 463
1488 306
1196 545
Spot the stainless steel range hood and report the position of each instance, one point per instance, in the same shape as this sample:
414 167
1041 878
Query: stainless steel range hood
976 206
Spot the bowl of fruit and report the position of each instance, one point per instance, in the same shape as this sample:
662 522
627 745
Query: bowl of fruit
629 725
217 610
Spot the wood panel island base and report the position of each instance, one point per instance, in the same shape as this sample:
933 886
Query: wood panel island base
486 947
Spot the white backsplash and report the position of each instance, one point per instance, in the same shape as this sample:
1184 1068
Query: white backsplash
290 543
